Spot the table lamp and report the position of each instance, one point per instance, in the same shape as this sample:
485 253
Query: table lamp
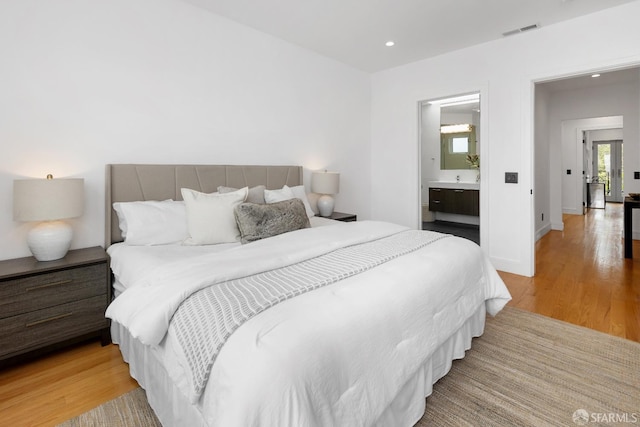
325 183
48 200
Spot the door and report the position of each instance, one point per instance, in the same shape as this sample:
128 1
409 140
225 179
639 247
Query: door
607 165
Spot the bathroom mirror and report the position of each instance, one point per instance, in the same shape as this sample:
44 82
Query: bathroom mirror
459 130
457 141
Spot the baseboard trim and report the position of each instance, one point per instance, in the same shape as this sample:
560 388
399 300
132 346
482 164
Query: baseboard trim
542 231
510 266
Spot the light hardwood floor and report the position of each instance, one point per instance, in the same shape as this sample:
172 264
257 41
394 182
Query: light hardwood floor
581 277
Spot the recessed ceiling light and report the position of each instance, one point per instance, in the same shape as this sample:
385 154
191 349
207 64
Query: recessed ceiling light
595 75
389 43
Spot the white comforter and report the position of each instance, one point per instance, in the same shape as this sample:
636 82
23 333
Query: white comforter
334 356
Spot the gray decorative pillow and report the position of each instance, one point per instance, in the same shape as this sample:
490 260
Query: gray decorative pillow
257 222
256 194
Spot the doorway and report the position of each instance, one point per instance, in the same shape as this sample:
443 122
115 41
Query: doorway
450 145
608 168
559 181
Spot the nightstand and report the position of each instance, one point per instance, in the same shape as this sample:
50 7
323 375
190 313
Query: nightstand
45 305
344 217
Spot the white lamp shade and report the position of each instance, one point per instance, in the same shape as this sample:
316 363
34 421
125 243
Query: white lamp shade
47 199
325 182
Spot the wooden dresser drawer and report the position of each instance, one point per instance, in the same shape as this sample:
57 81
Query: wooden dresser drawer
50 325
45 305
49 289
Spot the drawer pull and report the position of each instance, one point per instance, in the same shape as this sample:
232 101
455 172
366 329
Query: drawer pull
436 201
458 191
50 319
435 189
48 285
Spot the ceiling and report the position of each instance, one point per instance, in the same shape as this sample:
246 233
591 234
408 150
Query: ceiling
626 75
355 31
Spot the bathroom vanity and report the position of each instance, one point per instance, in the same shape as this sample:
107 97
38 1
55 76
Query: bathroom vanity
462 198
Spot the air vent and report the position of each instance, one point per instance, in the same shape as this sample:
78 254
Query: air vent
529 27
521 30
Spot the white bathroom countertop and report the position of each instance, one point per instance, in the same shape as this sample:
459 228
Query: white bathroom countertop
462 185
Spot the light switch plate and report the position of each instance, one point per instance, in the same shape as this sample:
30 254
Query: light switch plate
511 177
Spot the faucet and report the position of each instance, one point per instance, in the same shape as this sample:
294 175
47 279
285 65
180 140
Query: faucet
457 178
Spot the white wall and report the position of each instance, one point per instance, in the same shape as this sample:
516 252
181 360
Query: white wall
542 212
86 83
606 134
503 71
429 147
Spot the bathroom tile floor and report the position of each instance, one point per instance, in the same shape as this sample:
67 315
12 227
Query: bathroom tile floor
468 231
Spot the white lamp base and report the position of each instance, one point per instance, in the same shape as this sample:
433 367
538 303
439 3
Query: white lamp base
50 240
325 205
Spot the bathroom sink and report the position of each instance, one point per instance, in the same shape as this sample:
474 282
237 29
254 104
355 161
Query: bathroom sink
462 185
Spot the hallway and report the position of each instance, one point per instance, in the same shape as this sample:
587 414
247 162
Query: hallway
582 276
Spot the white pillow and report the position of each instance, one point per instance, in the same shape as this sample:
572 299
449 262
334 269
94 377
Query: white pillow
146 223
275 196
210 218
287 193
256 194
301 194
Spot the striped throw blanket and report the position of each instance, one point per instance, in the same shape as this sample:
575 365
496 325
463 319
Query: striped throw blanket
206 319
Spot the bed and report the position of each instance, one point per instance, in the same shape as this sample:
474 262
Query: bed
330 325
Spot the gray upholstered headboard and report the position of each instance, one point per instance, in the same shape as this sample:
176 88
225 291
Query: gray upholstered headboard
128 183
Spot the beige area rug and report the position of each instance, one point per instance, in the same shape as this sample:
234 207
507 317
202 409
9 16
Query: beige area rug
531 370
526 370
129 410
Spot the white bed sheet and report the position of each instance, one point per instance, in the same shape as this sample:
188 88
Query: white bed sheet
279 340
130 263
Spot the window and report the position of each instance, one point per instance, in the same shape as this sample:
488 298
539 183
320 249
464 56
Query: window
460 144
